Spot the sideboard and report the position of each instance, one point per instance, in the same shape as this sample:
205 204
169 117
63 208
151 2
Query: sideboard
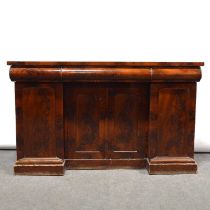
102 115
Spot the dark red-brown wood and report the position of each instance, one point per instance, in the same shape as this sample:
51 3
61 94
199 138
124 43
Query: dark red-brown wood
98 115
102 64
39 127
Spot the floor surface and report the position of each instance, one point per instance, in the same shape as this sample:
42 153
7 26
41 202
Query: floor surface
104 189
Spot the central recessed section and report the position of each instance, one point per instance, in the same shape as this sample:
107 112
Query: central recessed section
105 125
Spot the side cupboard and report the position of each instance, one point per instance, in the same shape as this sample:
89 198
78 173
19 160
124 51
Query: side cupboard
102 115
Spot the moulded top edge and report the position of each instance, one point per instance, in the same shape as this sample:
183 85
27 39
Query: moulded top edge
102 64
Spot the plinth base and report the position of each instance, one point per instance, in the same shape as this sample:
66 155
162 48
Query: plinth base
171 165
39 166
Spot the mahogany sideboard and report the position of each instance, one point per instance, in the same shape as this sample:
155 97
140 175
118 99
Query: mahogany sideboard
102 115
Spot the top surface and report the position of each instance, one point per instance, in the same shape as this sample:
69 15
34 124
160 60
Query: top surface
101 64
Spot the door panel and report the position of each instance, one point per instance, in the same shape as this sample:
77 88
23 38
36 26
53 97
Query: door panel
172 106
172 128
84 121
107 121
39 110
127 124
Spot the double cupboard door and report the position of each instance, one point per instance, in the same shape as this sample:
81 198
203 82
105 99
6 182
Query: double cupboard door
105 121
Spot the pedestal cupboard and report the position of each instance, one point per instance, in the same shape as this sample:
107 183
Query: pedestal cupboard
100 115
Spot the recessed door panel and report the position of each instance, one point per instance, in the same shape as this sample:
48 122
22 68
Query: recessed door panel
39 110
172 120
84 121
127 124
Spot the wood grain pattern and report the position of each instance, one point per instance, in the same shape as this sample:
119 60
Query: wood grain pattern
42 144
101 64
127 121
105 163
101 125
174 159
40 166
176 74
39 117
35 74
84 122
105 74
100 115
172 120
171 165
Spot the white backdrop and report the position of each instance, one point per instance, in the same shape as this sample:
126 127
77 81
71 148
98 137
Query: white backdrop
108 30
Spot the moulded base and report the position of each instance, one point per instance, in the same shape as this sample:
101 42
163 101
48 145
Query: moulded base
40 166
57 166
105 163
171 165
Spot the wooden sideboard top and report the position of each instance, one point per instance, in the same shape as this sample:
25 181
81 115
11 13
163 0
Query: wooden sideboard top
103 64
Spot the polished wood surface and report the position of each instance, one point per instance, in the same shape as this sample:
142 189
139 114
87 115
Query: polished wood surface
99 115
102 64
107 74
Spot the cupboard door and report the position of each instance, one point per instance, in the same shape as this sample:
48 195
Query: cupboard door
39 114
128 121
84 111
172 120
